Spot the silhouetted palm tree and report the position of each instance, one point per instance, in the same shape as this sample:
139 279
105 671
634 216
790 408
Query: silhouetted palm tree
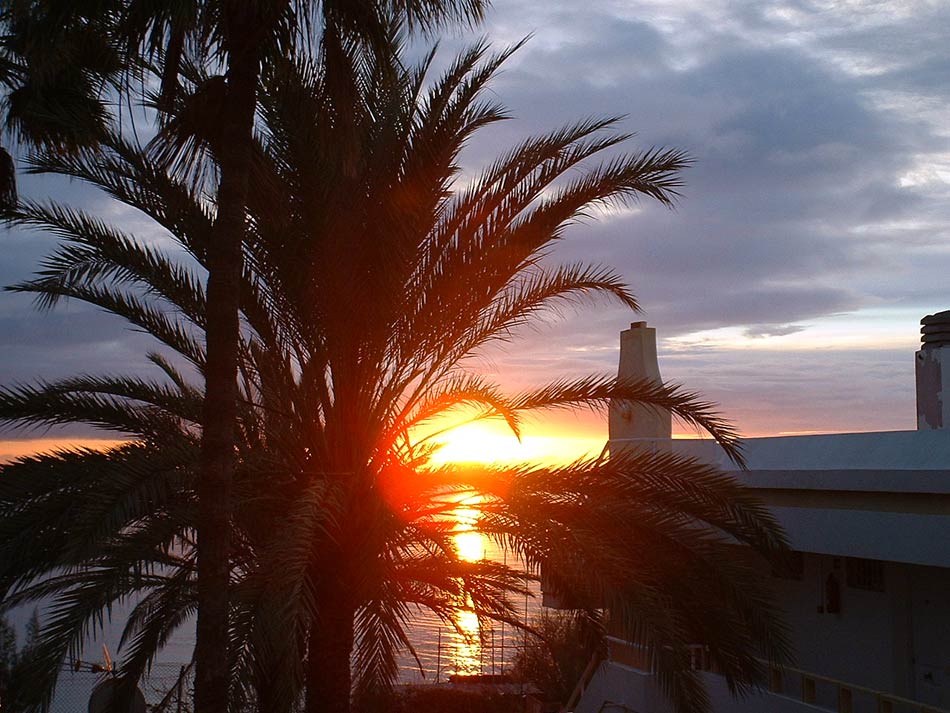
374 273
68 50
50 89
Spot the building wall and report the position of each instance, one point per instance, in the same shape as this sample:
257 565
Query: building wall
855 645
616 688
930 611
896 641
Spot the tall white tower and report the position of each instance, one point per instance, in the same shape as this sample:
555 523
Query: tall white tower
933 373
628 422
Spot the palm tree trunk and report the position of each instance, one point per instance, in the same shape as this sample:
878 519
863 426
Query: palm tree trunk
8 193
220 405
329 678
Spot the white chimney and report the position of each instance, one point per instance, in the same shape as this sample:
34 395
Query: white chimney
630 425
636 422
933 373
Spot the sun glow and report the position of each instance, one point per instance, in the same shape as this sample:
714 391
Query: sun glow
12 449
492 442
470 546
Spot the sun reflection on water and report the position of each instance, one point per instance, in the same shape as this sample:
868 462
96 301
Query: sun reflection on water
468 541
465 646
467 652
467 649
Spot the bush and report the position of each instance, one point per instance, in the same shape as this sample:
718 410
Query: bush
446 699
554 659
8 657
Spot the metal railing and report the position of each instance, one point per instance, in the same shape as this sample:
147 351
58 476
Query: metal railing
166 688
812 688
845 695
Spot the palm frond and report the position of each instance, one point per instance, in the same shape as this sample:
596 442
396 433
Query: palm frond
132 307
96 252
54 404
599 391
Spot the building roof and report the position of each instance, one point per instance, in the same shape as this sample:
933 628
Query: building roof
883 496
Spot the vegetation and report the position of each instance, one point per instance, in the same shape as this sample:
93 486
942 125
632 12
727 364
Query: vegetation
372 275
8 657
13 661
558 651
58 58
438 699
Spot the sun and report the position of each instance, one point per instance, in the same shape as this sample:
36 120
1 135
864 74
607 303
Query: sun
478 443
471 546
492 442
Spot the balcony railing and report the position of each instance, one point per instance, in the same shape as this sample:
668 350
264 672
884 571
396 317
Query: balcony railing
805 686
815 689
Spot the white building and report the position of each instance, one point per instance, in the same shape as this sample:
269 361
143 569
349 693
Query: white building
868 599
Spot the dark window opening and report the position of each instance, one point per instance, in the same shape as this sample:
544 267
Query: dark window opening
865 574
792 566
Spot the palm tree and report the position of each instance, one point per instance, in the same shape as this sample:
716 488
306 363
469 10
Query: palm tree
240 36
51 88
372 277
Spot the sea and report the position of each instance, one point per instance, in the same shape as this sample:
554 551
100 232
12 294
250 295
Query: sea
469 646
442 649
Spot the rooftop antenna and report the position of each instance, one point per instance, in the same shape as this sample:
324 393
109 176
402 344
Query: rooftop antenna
104 695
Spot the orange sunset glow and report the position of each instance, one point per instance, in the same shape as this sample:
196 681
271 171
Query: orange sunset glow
493 442
13 449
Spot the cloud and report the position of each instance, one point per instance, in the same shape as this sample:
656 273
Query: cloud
821 187
798 174
762 331
799 391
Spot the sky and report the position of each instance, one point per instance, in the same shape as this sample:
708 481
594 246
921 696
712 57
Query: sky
787 285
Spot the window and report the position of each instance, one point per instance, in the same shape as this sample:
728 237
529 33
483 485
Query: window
792 567
864 574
